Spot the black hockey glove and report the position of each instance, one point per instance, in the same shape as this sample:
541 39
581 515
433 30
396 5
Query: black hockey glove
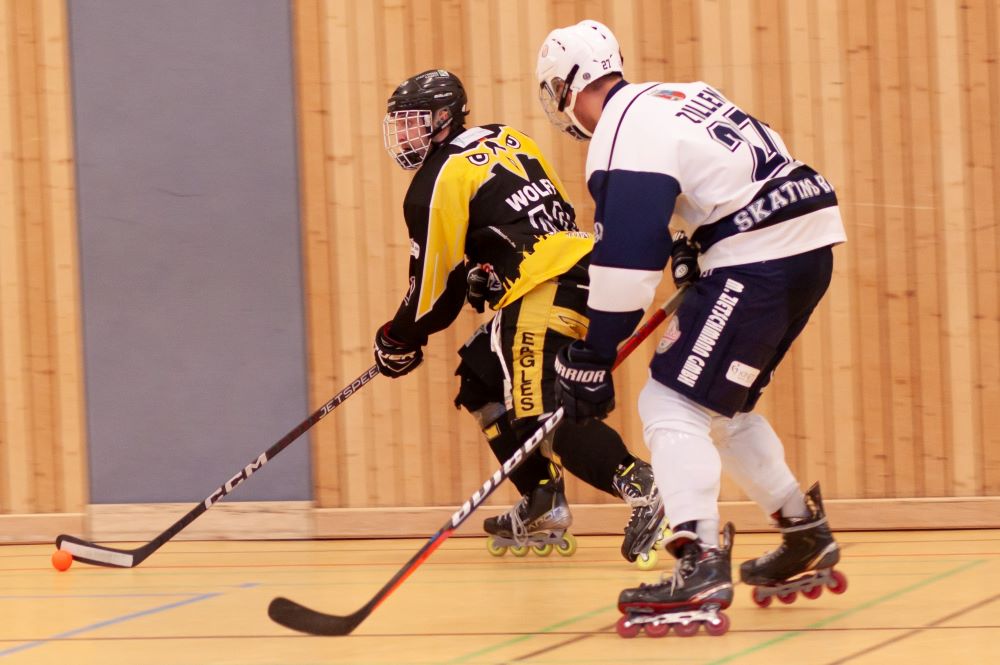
394 358
683 261
479 287
583 383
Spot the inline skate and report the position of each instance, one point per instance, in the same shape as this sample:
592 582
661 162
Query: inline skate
648 523
538 522
804 561
700 587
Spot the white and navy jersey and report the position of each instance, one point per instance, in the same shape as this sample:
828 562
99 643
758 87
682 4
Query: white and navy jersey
665 148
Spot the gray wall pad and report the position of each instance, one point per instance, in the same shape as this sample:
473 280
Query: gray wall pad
191 264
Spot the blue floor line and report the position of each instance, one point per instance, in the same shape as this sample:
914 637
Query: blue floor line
108 622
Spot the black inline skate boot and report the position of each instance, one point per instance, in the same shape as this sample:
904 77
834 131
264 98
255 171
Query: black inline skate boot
537 522
700 587
634 483
807 546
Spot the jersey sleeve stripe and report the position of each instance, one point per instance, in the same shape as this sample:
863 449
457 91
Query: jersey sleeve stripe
622 289
633 210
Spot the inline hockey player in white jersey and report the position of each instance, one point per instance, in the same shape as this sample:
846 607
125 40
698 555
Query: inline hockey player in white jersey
759 259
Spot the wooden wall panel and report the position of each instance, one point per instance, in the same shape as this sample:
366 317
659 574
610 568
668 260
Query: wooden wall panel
42 432
893 389
891 392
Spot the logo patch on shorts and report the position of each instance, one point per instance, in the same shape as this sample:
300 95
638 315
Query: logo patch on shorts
671 335
741 374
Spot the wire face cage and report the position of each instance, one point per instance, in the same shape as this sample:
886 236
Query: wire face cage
407 136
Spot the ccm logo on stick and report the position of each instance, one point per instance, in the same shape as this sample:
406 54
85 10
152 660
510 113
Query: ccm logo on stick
231 484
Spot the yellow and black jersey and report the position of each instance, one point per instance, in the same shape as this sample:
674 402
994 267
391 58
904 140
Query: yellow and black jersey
488 195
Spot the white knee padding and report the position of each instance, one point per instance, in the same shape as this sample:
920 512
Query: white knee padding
685 462
752 455
664 408
688 471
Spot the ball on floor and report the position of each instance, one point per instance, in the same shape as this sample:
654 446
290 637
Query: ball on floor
62 560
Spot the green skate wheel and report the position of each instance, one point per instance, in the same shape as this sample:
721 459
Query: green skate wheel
519 550
568 545
647 561
494 549
542 550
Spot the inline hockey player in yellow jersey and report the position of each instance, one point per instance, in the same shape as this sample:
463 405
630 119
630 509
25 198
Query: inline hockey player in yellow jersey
489 222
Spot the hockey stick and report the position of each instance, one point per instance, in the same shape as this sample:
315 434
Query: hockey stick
298 617
99 555
655 319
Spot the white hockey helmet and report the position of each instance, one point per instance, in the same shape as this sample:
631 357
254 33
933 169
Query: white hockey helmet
570 59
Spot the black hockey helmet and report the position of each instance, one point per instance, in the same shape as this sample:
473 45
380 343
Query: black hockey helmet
416 104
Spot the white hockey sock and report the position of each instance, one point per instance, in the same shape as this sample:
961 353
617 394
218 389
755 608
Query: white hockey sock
708 532
688 474
753 456
795 506
684 459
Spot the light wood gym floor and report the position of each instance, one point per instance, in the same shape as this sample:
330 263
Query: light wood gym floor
913 597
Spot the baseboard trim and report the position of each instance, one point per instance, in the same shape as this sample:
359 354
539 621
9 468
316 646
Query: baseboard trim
39 527
281 520
597 519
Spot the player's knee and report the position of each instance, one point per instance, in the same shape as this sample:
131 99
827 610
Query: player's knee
488 415
662 408
747 430
476 395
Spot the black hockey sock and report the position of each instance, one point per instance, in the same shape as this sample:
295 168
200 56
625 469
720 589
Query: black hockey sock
504 442
591 451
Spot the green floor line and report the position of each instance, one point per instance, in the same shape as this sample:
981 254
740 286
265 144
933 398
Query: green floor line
854 610
764 645
523 638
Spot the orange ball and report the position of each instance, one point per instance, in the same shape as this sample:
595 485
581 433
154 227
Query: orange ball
62 560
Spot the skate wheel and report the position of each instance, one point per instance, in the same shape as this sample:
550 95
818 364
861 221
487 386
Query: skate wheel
568 545
787 598
494 549
657 629
542 550
626 630
839 582
686 629
720 628
646 561
813 593
761 599
519 550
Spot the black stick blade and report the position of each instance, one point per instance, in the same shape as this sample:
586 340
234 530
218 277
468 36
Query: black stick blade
299 617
